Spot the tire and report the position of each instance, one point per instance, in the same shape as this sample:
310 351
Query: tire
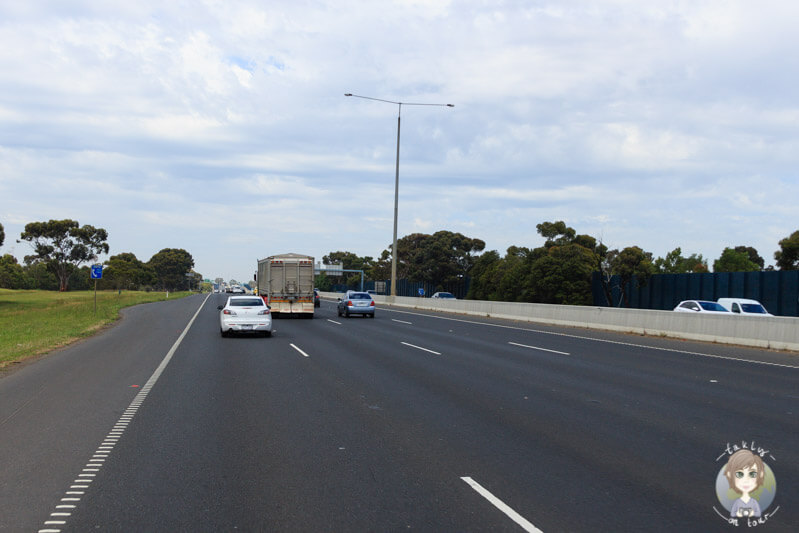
224 333
371 315
267 334
347 313
339 312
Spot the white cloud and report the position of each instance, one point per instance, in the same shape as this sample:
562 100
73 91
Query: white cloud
653 124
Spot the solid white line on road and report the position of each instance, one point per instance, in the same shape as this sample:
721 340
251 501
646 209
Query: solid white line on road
401 321
118 430
499 504
595 339
420 348
537 348
303 353
333 321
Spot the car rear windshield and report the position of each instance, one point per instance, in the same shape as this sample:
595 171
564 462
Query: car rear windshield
712 306
249 302
360 296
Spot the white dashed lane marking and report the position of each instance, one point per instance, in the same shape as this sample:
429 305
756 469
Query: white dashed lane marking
420 348
502 506
538 348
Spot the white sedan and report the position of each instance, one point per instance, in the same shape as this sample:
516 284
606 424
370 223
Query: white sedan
701 306
245 314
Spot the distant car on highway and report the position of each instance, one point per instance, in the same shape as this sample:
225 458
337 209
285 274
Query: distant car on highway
317 301
246 314
701 306
744 307
444 296
238 289
356 303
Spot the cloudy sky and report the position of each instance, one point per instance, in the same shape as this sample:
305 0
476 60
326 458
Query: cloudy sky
221 127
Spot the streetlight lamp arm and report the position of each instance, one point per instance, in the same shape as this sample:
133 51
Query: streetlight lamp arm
396 103
396 180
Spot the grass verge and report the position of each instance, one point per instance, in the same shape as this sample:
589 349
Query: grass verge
36 322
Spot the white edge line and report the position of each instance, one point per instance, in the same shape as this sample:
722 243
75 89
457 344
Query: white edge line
499 504
303 353
401 321
333 321
420 348
537 348
138 399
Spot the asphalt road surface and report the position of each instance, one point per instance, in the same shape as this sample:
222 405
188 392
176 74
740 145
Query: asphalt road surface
411 421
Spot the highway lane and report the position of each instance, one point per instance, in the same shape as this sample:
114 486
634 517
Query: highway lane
54 412
378 426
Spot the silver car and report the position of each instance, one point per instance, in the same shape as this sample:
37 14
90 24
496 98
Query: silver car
356 303
248 314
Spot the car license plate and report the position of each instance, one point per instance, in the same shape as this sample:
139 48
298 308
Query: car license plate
246 326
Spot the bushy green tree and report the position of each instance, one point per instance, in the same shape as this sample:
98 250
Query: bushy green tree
63 245
675 263
563 275
441 258
753 256
38 274
631 262
170 266
787 256
732 260
483 275
81 279
12 275
558 272
323 283
126 271
350 261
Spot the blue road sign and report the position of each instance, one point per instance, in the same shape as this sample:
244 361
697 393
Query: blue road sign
97 271
421 292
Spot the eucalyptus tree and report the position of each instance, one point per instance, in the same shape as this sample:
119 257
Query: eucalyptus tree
63 245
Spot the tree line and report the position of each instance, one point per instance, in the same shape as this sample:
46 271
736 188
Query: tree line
559 272
63 250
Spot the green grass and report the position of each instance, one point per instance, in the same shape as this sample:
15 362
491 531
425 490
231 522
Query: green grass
36 322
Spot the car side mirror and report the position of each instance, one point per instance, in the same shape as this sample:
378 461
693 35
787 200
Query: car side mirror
220 307
339 300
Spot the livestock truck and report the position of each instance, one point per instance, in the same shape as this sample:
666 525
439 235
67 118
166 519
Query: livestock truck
286 284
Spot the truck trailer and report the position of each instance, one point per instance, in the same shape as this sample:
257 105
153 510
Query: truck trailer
286 284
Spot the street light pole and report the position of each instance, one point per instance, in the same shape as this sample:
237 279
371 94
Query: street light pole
396 181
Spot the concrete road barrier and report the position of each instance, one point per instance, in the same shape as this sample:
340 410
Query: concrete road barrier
779 333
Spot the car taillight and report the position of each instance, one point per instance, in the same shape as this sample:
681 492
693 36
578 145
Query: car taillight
349 303
229 312
264 312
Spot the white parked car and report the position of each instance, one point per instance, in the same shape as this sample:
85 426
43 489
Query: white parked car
248 314
744 306
701 306
444 296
